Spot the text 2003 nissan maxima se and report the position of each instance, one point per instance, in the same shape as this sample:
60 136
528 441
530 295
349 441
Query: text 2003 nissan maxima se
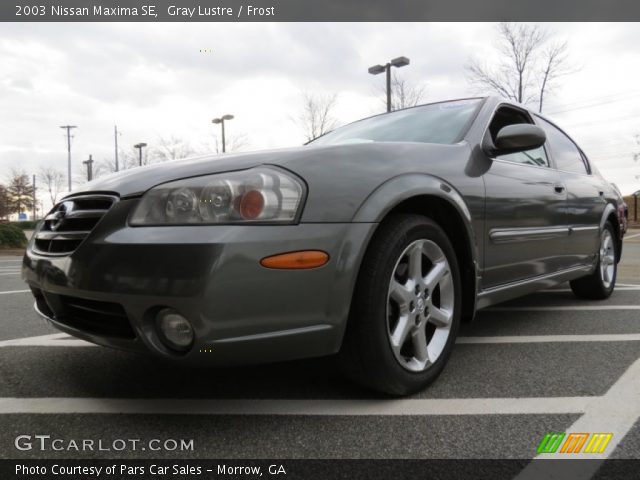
375 241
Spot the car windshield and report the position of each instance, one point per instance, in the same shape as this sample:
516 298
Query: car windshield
435 123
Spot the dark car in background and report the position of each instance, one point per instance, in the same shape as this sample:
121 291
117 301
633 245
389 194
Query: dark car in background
374 242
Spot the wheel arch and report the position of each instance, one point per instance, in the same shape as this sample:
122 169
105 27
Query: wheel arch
610 214
436 199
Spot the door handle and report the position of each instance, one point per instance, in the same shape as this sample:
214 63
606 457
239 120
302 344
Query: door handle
558 188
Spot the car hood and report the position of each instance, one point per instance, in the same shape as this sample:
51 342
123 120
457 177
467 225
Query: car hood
377 159
135 181
339 178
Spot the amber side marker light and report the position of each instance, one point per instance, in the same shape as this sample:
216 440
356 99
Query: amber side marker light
296 260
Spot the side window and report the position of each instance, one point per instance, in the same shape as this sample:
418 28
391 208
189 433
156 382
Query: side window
565 153
509 116
537 157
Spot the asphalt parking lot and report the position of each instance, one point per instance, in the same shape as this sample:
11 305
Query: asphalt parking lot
544 363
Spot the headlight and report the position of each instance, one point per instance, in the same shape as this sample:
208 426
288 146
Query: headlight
258 195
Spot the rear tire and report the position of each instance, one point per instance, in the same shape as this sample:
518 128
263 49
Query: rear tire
600 284
406 308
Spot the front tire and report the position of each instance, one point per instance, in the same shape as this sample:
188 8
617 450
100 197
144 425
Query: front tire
600 284
406 308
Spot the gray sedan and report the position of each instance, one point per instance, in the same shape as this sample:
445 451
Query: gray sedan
375 241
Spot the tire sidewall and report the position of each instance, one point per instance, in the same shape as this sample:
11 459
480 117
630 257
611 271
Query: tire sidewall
420 228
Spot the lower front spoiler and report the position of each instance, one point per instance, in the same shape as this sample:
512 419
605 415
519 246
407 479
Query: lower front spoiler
133 345
304 342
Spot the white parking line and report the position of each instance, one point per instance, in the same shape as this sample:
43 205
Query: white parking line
564 308
616 412
445 406
13 273
14 291
632 236
619 288
53 340
64 340
622 337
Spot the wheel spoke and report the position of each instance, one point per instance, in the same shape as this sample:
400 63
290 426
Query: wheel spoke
435 275
400 294
419 340
415 262
439 316
607 273
400 332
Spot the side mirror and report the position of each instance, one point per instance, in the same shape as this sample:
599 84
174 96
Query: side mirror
518 138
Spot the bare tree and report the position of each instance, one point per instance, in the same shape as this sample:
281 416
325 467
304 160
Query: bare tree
404 94
316 117
234 142
529 67
127 158
53 180
164 149
171 148
636 155
555 64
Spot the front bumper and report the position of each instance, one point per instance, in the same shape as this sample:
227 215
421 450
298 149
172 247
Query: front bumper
241 312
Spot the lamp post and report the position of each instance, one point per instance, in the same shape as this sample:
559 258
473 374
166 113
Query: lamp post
140 146
221 122
376 69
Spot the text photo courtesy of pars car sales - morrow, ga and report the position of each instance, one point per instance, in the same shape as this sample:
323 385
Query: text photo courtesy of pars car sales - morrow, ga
291 240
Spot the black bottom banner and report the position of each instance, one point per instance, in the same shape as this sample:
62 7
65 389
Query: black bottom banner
69 469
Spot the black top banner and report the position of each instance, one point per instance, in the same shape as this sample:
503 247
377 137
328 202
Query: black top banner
317 10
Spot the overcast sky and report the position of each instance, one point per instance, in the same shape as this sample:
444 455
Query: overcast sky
153 81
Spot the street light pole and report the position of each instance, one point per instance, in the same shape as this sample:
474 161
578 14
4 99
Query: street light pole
89 164
221 122
376 69
387 67
34 198
68 128
140 146
115 136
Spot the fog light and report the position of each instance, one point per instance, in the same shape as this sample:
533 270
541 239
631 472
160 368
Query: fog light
175 331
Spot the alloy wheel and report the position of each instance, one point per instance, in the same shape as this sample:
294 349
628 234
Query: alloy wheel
607 258
420 305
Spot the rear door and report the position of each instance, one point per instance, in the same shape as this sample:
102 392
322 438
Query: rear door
585 194
526 222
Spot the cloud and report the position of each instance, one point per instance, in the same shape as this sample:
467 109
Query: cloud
155 80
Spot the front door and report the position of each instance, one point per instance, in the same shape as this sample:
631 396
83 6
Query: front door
526 223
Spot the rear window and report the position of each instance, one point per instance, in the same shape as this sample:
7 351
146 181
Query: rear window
435 123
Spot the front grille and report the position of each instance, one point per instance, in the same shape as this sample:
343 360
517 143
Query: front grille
91 316
69 223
